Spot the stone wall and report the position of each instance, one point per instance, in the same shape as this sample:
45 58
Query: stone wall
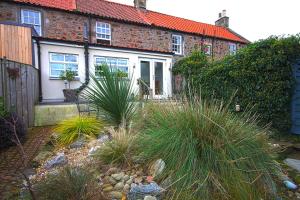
69 26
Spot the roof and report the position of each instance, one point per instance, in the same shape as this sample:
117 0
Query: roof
128 13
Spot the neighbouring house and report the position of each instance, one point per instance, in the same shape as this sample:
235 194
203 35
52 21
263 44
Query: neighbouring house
82 34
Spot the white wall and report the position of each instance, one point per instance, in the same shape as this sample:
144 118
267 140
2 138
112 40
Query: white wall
52 89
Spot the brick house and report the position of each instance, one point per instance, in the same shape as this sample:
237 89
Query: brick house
81 34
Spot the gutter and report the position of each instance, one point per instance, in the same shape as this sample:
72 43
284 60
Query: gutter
40 70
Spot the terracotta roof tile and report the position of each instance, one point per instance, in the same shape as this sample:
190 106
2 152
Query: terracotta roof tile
128 13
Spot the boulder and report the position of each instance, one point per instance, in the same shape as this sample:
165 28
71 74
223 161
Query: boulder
59 160
42 156
78 144
157 168
293 163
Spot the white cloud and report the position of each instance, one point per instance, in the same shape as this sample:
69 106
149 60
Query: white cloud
253 19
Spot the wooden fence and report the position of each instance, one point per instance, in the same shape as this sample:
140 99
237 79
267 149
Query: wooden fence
16 43
19 89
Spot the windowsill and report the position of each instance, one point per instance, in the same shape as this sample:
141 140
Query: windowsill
59 79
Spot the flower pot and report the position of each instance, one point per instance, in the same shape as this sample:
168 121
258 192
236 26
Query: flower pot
70 95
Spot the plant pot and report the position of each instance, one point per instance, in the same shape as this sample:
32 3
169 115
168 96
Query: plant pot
70 95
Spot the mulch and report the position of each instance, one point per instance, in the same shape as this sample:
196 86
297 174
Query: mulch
11 164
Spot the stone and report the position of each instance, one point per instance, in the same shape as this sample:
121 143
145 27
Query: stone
293 163
150 198
157 168
59 160
126 187
130 181
118 177
107 188
126 178
297 195
103 138
42 156
78 144
152 189
119 186
112 170
112 181
138 179
93 150
116 194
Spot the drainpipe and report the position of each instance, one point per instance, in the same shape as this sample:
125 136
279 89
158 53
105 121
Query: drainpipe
40 70
87 70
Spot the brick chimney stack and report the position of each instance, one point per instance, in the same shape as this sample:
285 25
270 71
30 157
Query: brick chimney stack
140 4
223 20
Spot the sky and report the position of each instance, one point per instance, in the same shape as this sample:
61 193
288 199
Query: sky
253 19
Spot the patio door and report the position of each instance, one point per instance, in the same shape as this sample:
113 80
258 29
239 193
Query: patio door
152 74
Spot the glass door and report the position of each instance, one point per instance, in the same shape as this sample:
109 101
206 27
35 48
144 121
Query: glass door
145 76
158 79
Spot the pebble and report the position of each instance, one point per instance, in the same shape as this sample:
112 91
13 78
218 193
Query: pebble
126 187
150 198
107 188
119 186
116 194
112 170
126 178
118 177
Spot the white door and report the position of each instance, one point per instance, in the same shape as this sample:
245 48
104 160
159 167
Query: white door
152 74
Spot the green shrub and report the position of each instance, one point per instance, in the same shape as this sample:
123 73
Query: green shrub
72 129
120 150
69 184
112 94
261 75
209 152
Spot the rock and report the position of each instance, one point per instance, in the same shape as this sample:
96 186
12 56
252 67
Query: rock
126 187
297 195
107 188
150 198
112 170
58 160
151 189
138 179
43 155
103 138
290 185
293 163
118 177
116 194
119 186
139 173
126 178
157 168
290 194
166 183
93 150
130 181
78 144
112 181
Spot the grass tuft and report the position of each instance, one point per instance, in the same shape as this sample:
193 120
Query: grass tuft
209 152
72 129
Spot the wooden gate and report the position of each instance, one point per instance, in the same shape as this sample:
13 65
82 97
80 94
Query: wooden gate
19 89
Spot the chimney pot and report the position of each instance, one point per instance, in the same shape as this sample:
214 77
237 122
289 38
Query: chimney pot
140 4
223 20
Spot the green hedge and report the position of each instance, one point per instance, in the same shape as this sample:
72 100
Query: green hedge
261 75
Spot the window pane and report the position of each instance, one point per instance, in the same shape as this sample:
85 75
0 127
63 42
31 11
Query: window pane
100 61
57 66
57 57
71 58
56 73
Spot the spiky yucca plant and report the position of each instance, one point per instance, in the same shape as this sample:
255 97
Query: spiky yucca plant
209 152
112 95
85 127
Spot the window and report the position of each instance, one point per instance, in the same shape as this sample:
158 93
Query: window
207 49
115 65
103 31
60 62
177 44
232 48
32 18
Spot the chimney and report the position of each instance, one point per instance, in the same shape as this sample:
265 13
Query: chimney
223 20
140 4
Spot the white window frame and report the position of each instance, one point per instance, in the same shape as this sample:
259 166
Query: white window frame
179 45
34 24
231 51
209 46
111 57
63 62
98 34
